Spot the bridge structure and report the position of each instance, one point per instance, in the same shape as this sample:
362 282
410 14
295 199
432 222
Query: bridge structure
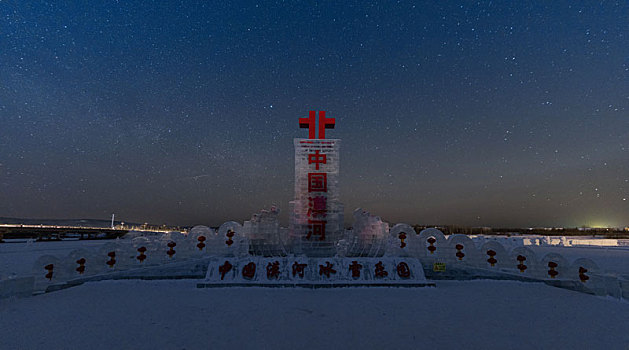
55 232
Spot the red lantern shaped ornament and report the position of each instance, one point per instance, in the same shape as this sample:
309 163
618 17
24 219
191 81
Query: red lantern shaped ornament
49 268
171 251
112 259
230 235
141 257
201 243
552 272
431 248
492 261
402 237
521 259
459 254
81 268
582 276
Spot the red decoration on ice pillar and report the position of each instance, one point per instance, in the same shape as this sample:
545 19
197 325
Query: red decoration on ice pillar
492 261
141 256
582 276
521 259
230 235
459 251
552 272
402 237
49 268
171 251
112 259
310 123
81 268
201 245
431 248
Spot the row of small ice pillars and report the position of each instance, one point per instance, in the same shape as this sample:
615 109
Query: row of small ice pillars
111 262
273 270
521 266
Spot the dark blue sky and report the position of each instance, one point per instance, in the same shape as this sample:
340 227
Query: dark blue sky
487 113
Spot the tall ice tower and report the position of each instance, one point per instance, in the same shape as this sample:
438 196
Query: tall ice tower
316 222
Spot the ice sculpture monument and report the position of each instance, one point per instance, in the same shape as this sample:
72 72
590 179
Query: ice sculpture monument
316 250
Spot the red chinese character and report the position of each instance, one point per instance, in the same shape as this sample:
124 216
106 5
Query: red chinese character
327 269
317 159
309 123
317 182
317 206
273 270
317 228
299 269
325 123
403 270
225 268
355 268
249 271
380 272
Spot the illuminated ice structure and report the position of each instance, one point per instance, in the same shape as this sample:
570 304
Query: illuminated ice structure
368 238
316 214
266 237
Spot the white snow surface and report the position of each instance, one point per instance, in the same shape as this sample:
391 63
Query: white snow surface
477 314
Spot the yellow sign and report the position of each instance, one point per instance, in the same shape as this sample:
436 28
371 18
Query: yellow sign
439 267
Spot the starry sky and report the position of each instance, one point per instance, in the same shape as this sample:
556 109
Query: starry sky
489 113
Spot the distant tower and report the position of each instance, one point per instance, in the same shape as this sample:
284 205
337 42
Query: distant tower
112 221
316 222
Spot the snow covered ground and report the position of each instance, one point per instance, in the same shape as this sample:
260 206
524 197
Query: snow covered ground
177 315
477 314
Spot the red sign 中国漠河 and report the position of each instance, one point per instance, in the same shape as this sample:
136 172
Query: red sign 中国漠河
317 207
317 182
316 228
317 159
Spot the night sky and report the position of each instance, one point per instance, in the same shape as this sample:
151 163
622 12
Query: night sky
491 113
